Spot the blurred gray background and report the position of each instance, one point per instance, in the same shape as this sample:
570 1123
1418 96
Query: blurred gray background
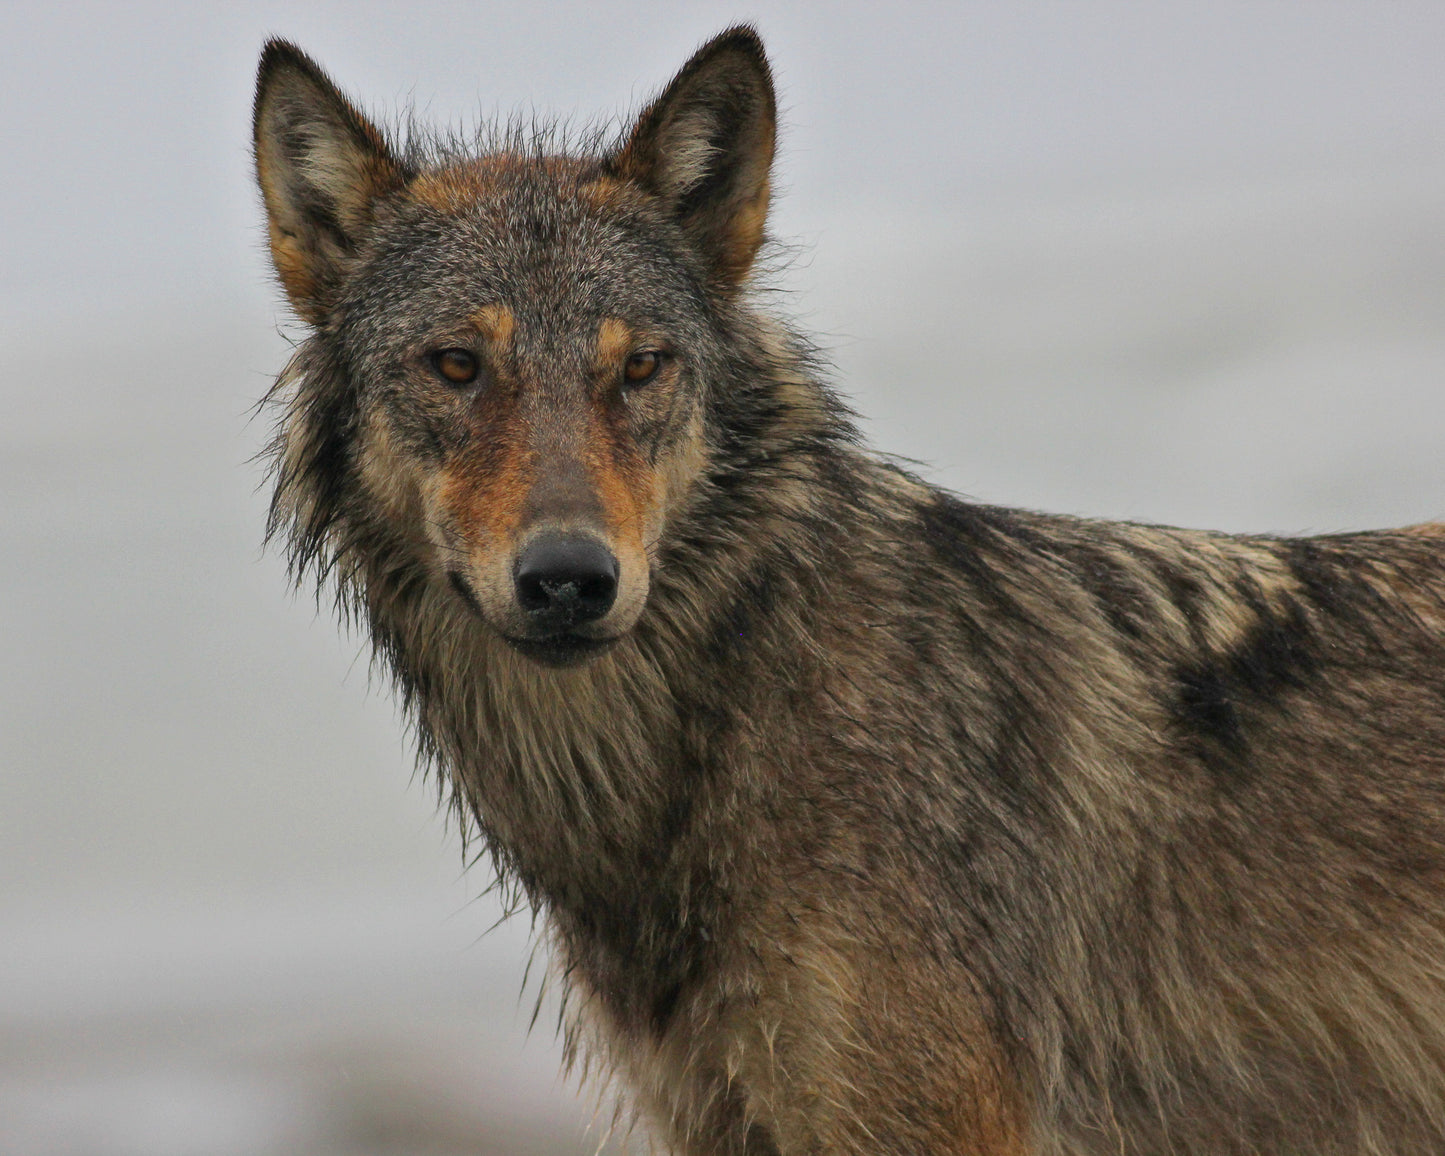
1174 261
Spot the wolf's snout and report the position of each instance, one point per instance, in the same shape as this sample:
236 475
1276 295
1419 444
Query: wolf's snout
563 582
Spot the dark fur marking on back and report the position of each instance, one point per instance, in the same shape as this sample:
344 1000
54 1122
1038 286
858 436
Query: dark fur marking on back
1206 708
1219 699
1120 598
1317 575
964 536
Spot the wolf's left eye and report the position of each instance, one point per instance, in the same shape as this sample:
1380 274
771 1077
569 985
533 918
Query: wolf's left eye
457 366
642 366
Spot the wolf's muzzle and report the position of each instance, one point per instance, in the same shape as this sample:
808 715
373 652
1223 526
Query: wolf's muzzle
564 581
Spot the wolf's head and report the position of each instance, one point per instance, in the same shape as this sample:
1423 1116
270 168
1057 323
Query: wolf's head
511 354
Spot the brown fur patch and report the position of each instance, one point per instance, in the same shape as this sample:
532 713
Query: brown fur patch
829 1023
462 187
744 235
486 489
615 341
604 192
294 267
454 189
624 485
496 324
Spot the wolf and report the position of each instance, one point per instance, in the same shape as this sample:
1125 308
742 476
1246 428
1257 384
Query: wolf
861 818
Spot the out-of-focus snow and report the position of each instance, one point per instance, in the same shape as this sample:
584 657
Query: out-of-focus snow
1263 355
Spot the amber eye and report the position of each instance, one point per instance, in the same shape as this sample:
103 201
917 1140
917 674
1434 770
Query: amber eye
642 367
457 366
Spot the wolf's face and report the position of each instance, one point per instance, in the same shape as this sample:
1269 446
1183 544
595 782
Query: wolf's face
529 392
520 346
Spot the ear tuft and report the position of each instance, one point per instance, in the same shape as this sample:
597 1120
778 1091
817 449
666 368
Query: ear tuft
705 147
322 167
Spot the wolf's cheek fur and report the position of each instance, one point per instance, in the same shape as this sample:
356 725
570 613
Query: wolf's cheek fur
391 474
677 473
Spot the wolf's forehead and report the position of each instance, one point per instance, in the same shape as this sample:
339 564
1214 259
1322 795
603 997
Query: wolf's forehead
566 246
526 212
459 186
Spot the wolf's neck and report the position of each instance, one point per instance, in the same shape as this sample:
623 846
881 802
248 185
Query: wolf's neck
562 769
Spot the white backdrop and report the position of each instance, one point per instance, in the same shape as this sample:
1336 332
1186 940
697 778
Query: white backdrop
1179 262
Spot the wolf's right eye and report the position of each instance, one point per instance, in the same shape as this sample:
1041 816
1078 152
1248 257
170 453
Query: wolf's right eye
642 367
456 366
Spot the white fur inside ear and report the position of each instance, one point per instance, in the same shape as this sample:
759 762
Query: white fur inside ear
687 151
332 166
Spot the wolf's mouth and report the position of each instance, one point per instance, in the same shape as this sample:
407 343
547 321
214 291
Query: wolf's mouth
560 650
465 592
565 648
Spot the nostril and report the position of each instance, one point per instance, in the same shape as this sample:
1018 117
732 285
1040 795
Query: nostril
531 593
563 581
596 589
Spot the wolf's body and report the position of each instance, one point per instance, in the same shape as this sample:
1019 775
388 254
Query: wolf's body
863 819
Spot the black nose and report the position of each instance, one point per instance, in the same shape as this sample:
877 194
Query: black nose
563 582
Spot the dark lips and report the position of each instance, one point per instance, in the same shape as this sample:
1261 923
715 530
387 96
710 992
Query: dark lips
560 650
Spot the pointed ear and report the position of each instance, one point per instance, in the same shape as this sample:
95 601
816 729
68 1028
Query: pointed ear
705 146
321 166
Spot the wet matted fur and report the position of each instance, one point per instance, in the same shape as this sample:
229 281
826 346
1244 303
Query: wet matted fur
863 819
